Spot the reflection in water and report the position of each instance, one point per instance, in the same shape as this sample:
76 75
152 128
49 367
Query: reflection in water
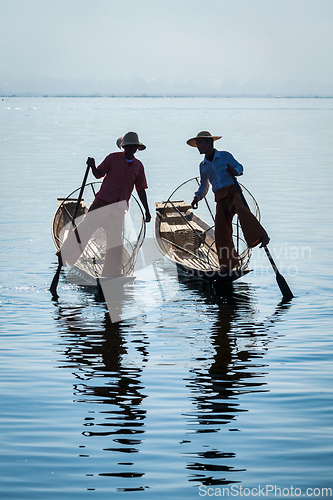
104 378
239 343
108 367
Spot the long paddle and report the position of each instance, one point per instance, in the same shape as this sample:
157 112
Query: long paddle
55 281
283 285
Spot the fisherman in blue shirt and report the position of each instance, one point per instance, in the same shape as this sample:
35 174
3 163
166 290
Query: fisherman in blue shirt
217 169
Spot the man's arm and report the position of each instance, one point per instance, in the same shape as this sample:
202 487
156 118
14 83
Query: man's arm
203 188
143 198
96 173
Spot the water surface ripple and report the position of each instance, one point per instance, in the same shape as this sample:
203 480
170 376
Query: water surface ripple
209 390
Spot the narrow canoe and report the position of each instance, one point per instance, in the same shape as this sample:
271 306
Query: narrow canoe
188 240
88 268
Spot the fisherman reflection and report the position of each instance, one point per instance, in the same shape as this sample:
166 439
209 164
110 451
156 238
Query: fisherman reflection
238 342
98 360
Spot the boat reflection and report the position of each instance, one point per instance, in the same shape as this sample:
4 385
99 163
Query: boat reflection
109 359
104 378
237 367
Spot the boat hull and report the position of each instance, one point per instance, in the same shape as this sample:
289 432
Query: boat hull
189 242
87 271
212 276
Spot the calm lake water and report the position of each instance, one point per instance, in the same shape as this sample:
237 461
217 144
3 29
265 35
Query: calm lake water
206 393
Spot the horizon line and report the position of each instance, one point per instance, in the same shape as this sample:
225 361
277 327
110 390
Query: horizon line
165 95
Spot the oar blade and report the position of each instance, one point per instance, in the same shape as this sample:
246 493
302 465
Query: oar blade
54 284
284 287
55 281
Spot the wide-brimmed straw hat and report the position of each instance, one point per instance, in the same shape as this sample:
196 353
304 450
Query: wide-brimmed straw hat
202 135
131 138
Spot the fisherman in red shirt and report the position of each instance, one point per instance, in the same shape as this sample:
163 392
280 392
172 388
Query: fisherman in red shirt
122 172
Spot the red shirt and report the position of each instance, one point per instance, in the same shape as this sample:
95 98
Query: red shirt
120 178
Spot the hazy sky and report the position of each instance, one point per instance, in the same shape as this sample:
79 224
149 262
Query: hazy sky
277 46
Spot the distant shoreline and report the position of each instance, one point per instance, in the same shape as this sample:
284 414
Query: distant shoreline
166 96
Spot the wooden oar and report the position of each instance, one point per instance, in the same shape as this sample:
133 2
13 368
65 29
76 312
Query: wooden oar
54 284
55 281
283 285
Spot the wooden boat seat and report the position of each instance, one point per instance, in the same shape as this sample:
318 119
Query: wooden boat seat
70 204
64 214
167 207
179 228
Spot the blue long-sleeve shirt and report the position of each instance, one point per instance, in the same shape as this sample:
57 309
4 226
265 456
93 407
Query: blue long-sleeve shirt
215 172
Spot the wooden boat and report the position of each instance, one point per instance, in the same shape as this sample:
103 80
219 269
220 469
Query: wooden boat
88 268
188 240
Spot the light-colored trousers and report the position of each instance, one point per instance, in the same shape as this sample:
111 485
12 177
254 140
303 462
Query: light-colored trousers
110 217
